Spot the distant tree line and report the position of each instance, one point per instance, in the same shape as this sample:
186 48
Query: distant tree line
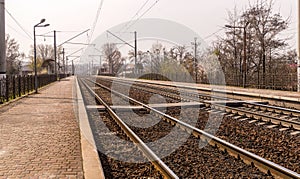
14 58
269 59
253 49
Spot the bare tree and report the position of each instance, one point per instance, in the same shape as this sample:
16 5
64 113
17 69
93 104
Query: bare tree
262 28
13 56
265 27
44 52
113 56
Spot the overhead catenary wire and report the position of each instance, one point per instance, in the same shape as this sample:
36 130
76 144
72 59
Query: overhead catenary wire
22 28
135 14
213 33
143 14
95 21
17 31
73 37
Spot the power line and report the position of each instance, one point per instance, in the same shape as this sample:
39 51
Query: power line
73 37
143 14
18 24
140 9
17 31
95 21
136 14
68 31
213 34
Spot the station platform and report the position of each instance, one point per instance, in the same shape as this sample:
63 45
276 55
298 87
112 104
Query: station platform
274 97
40 136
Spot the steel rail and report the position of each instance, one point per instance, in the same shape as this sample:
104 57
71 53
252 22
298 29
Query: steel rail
251 114
277 109
248 157
262 117
152 157
287 111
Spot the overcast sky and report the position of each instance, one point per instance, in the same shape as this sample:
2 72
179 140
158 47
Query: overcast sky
73 17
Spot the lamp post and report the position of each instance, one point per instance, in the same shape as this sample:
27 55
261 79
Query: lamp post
244 48
40 24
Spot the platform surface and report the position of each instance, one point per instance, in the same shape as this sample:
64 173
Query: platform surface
39 135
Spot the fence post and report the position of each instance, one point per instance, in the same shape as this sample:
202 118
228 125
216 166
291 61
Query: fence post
27 81
32 82
14 86
7 88
19 85
40 82
24 84
1 93
1 81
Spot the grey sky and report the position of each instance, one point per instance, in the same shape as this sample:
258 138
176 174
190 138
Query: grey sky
204 17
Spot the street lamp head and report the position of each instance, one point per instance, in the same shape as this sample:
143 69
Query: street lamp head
46 25
42 21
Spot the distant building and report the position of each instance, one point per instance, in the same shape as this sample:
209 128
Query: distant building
103 69
26 68
126 69
49 66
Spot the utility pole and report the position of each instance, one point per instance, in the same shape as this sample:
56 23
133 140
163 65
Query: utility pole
298 64
99 72
244 65
63 52
135 51
134 47
55 56
237 78
245 57
73 69
67 59
2 41
195 43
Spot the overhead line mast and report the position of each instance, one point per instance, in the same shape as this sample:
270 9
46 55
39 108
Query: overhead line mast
2 40
298 60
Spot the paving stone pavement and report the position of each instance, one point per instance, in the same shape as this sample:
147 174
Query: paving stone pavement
39 135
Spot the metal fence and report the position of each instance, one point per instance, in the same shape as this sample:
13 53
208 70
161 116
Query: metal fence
13 86
274 81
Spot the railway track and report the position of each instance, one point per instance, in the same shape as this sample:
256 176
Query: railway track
269 116
147 152
254 160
